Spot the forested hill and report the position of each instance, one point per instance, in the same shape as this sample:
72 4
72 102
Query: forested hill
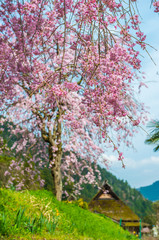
130 196
151 192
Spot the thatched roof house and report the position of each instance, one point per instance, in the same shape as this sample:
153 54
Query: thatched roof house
108 203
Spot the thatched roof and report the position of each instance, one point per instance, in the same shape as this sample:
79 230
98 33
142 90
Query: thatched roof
106 192
108 203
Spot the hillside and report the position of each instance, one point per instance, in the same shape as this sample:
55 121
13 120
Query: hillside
131 197
150 192
38 215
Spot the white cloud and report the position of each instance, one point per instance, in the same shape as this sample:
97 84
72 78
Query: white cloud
138 173
149 161
130 163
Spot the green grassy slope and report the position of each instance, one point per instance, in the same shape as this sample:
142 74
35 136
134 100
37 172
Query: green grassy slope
38 215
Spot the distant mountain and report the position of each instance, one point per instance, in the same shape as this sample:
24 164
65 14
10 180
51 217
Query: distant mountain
150 192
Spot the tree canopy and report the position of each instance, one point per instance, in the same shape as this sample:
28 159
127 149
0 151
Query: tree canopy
68 71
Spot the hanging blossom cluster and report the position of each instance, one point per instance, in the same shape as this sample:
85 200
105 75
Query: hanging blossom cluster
68 71
82 144
24 171
156 5
23 175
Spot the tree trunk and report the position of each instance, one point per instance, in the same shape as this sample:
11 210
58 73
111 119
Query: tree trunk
55 152
55 157
56 174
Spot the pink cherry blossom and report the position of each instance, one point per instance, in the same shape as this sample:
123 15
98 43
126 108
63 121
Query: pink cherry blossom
68 71
156 5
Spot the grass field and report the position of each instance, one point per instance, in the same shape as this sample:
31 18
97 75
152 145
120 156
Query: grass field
38 215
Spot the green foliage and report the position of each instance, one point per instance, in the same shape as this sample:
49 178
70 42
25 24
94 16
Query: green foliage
38 215
80 203
5 157
150 219
24 220
3 168
4 230
19 217
46 174
153 137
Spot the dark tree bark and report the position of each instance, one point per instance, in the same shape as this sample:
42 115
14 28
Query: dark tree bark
55 157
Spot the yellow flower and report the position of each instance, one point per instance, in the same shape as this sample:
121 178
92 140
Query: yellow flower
57 212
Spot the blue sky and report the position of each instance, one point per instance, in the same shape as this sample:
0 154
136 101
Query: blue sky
142 164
